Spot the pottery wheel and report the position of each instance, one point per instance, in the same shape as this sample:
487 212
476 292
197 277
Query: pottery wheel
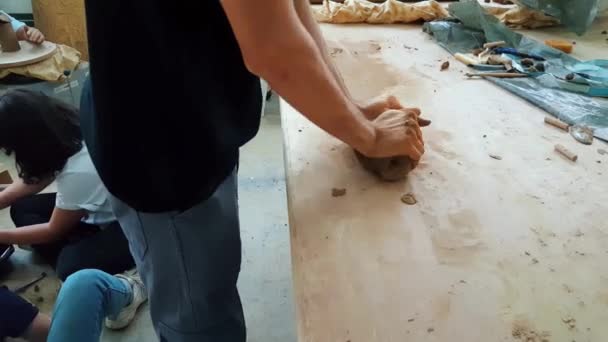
29 54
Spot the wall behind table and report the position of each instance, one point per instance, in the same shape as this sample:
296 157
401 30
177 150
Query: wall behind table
63 21
16 6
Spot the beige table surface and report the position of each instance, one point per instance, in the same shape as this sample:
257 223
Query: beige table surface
494 250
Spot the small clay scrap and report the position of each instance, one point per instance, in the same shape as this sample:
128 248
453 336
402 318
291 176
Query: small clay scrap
445 65
582 134
527 62
40 300
430 330
570 322
409 199
36 288
604 32
336 51
602 151
335 192
495 156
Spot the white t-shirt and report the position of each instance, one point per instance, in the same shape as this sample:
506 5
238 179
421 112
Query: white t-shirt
80 188
16 24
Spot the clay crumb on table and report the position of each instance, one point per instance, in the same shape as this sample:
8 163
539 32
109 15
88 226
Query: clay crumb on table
338 192
570 322
409 199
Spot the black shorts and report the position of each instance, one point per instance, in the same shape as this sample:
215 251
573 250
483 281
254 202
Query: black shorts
16 314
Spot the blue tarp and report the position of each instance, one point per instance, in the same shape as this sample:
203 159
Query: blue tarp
570 101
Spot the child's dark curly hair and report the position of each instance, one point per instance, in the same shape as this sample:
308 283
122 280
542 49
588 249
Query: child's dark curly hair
41 131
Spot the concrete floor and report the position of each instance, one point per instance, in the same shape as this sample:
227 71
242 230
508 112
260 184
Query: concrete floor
265 282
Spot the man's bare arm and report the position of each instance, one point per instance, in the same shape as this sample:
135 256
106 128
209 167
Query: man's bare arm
277 47
371 108
308 20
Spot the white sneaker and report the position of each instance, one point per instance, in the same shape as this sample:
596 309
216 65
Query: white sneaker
140 296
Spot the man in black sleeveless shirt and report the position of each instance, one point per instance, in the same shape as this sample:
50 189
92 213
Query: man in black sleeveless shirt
173 95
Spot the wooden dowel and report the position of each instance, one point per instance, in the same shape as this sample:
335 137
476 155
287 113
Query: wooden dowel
566 152
466 60
557 123
496 74
494 44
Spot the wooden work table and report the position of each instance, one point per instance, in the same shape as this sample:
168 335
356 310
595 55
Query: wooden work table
494 250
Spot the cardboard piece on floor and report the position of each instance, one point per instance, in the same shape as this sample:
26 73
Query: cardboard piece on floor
5 179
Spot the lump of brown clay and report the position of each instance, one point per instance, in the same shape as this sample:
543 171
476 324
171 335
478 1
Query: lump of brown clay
389 169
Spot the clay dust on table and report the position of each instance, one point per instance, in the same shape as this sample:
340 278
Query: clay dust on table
361 64
522 331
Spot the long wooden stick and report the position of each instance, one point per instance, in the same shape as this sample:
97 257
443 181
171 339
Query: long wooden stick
494 44
496 74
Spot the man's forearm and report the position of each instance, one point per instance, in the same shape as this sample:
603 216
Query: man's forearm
307 18
277 47
307 83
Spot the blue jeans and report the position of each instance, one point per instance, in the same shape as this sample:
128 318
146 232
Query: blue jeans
85 299
189 262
